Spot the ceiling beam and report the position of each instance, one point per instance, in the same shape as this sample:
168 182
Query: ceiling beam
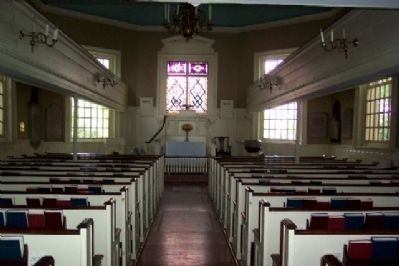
385 4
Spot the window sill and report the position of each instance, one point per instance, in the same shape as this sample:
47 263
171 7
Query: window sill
377 146
277 141
91 140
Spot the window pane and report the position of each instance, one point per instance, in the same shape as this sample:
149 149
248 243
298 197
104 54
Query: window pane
197 93
91 120
271 64
176 93
104 62
187 86
280 122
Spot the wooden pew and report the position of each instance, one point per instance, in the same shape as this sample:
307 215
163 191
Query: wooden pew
306 247
222 180
246 197
74 246
267 233
142 204
123 215
105 234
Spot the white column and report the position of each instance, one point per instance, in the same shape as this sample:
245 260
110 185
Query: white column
298 129
75 128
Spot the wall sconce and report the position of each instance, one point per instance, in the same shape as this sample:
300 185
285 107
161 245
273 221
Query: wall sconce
341 44
269 82
106 81
40 37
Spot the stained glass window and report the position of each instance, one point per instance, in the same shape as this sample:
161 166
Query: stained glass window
187 86
378 110
280 122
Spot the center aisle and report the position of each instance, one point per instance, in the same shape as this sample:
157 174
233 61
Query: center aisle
186 231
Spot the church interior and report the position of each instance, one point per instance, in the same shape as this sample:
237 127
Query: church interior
207 132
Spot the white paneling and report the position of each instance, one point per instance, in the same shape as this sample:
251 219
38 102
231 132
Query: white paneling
325 3
146 106
226 108
310 71
65 68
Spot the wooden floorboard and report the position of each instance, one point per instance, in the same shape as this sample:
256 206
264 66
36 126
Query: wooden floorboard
186 231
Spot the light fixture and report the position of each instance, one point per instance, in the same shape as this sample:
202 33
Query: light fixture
340 44
40 37
106 81
269 82
187 20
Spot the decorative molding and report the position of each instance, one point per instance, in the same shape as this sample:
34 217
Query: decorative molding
179 45
324 3
160 28
197 48
67 68
318 125
310 72
269 82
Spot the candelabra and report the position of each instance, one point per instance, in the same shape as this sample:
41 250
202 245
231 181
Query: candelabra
106 81
187 20
40 37
340 44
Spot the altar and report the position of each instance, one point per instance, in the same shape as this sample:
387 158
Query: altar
185 148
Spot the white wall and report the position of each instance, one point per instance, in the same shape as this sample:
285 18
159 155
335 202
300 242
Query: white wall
237 127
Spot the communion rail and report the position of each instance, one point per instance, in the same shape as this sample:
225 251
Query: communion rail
186 165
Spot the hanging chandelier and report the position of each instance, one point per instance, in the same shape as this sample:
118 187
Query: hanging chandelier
187 20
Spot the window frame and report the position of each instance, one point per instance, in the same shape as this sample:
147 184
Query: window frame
8 96
197 49
114 57
111 122
361 123
374 114
212 74
261 57
186 76
280 141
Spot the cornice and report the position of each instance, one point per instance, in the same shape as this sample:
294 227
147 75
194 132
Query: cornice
141 28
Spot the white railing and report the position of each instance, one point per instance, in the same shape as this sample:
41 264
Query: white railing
186 165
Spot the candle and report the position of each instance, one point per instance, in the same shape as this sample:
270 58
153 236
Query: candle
343 33
55 36
332 36
321 35
46 30
210 13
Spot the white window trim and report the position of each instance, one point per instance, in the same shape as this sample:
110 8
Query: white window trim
68 124
114 57
260 57
282 141
8 123
360 115
197 49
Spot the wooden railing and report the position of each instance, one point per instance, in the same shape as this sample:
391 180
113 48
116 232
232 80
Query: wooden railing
183 165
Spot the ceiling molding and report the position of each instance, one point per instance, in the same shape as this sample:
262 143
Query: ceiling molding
386 4
131 26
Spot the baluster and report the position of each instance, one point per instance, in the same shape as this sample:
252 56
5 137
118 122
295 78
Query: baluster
192 165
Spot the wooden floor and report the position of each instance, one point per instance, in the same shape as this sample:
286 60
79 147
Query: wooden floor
186 231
